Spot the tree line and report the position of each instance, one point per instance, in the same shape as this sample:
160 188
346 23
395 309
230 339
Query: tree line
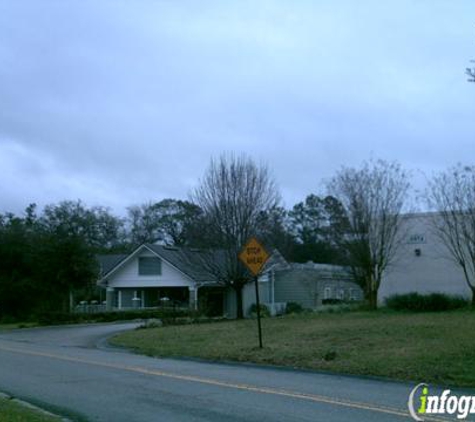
45 255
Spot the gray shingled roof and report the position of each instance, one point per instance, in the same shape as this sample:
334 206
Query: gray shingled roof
190 261
324 270
187 260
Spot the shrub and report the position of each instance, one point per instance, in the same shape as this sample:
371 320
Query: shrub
332 301
7 319
263 308
329 355
49 318
339 309
293 308
151 323
433 302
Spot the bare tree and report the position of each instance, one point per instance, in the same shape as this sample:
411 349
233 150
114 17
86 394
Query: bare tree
372 197
232 195
470 71
452 195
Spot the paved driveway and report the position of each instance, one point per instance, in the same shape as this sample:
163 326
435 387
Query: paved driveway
64 367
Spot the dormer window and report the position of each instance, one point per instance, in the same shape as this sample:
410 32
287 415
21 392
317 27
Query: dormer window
150 266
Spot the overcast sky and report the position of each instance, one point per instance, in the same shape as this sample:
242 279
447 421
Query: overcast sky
122 102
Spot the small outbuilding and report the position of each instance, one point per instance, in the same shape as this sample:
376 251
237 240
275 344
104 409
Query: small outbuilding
311 285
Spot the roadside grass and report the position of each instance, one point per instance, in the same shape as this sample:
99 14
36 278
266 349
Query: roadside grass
424 347
14 412
17 325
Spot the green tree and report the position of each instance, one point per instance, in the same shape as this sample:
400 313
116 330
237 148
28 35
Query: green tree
101 230
44 258
177 221
273 230
64 264
171 221
314 224
18 290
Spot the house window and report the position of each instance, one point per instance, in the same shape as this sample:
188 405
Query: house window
352 294
150 266
341 294
327 293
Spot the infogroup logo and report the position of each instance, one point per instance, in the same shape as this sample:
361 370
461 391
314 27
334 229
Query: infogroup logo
421 403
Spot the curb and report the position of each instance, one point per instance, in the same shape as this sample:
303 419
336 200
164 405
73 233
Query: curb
33 407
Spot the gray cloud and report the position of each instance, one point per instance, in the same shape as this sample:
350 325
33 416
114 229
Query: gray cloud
118 103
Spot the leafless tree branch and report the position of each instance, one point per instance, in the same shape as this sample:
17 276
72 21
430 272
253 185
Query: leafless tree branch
232 195
452 195
373 197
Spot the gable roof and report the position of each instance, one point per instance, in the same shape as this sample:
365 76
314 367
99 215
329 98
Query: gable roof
276 262
189 261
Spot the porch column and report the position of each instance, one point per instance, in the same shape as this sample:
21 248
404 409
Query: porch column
193 297
136 301
110 295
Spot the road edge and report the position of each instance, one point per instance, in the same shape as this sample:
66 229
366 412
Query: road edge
33 407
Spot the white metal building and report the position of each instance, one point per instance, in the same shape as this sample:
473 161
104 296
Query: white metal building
422 263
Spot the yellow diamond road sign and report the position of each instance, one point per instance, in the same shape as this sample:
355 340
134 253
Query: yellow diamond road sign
254 256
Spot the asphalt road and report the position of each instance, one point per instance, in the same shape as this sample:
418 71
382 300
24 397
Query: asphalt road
67 367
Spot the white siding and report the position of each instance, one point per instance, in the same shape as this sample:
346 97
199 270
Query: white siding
128 275
432 271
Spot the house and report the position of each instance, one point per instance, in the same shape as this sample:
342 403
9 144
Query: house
150 276
422 263
153 275
311 285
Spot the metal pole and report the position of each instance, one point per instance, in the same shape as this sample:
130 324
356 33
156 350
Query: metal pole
258 305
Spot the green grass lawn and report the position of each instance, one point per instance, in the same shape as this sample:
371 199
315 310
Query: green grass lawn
14 412
429 347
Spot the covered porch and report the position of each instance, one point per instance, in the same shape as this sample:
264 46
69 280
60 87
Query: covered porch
209 299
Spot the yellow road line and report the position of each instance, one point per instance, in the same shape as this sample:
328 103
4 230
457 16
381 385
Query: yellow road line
247 387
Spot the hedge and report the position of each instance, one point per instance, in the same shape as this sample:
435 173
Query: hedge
433 302
49 318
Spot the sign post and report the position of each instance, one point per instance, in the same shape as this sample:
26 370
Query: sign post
254 257
258 306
